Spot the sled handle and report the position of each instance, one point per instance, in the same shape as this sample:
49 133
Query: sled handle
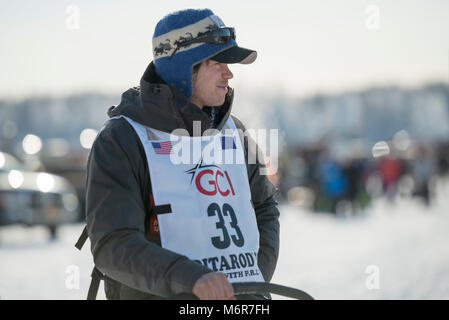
254 288
266 287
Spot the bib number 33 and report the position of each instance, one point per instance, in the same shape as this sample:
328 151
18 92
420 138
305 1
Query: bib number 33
224 242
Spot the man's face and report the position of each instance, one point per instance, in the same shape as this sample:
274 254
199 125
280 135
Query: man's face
210 84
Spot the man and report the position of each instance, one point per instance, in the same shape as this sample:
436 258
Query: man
157 228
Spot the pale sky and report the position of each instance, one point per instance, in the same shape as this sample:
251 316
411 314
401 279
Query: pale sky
304 47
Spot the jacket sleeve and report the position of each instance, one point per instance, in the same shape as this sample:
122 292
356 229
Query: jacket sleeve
115 213
263 194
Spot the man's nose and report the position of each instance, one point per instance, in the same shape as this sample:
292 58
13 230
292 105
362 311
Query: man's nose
227 74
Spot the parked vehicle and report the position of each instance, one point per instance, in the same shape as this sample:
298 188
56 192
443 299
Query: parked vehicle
35 198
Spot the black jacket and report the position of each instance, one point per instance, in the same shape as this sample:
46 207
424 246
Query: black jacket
118 190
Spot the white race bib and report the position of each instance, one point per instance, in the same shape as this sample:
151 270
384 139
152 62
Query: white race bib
212 219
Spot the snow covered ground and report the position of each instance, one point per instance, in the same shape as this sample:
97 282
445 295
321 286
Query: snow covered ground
395 251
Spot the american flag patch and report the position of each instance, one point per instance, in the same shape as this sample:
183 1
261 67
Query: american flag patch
164 147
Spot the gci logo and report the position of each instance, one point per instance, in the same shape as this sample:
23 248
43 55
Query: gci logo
211 181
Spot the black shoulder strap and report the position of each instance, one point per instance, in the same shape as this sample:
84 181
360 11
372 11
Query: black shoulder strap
97 276
82 239
161 209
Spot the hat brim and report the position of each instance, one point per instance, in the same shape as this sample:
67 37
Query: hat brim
236 54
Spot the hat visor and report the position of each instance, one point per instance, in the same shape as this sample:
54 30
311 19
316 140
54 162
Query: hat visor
236 54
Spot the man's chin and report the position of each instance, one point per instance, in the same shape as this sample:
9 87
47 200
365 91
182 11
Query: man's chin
217 103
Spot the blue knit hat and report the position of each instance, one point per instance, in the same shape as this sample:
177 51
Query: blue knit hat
182 25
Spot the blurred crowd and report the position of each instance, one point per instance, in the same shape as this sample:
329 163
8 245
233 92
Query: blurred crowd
346 180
